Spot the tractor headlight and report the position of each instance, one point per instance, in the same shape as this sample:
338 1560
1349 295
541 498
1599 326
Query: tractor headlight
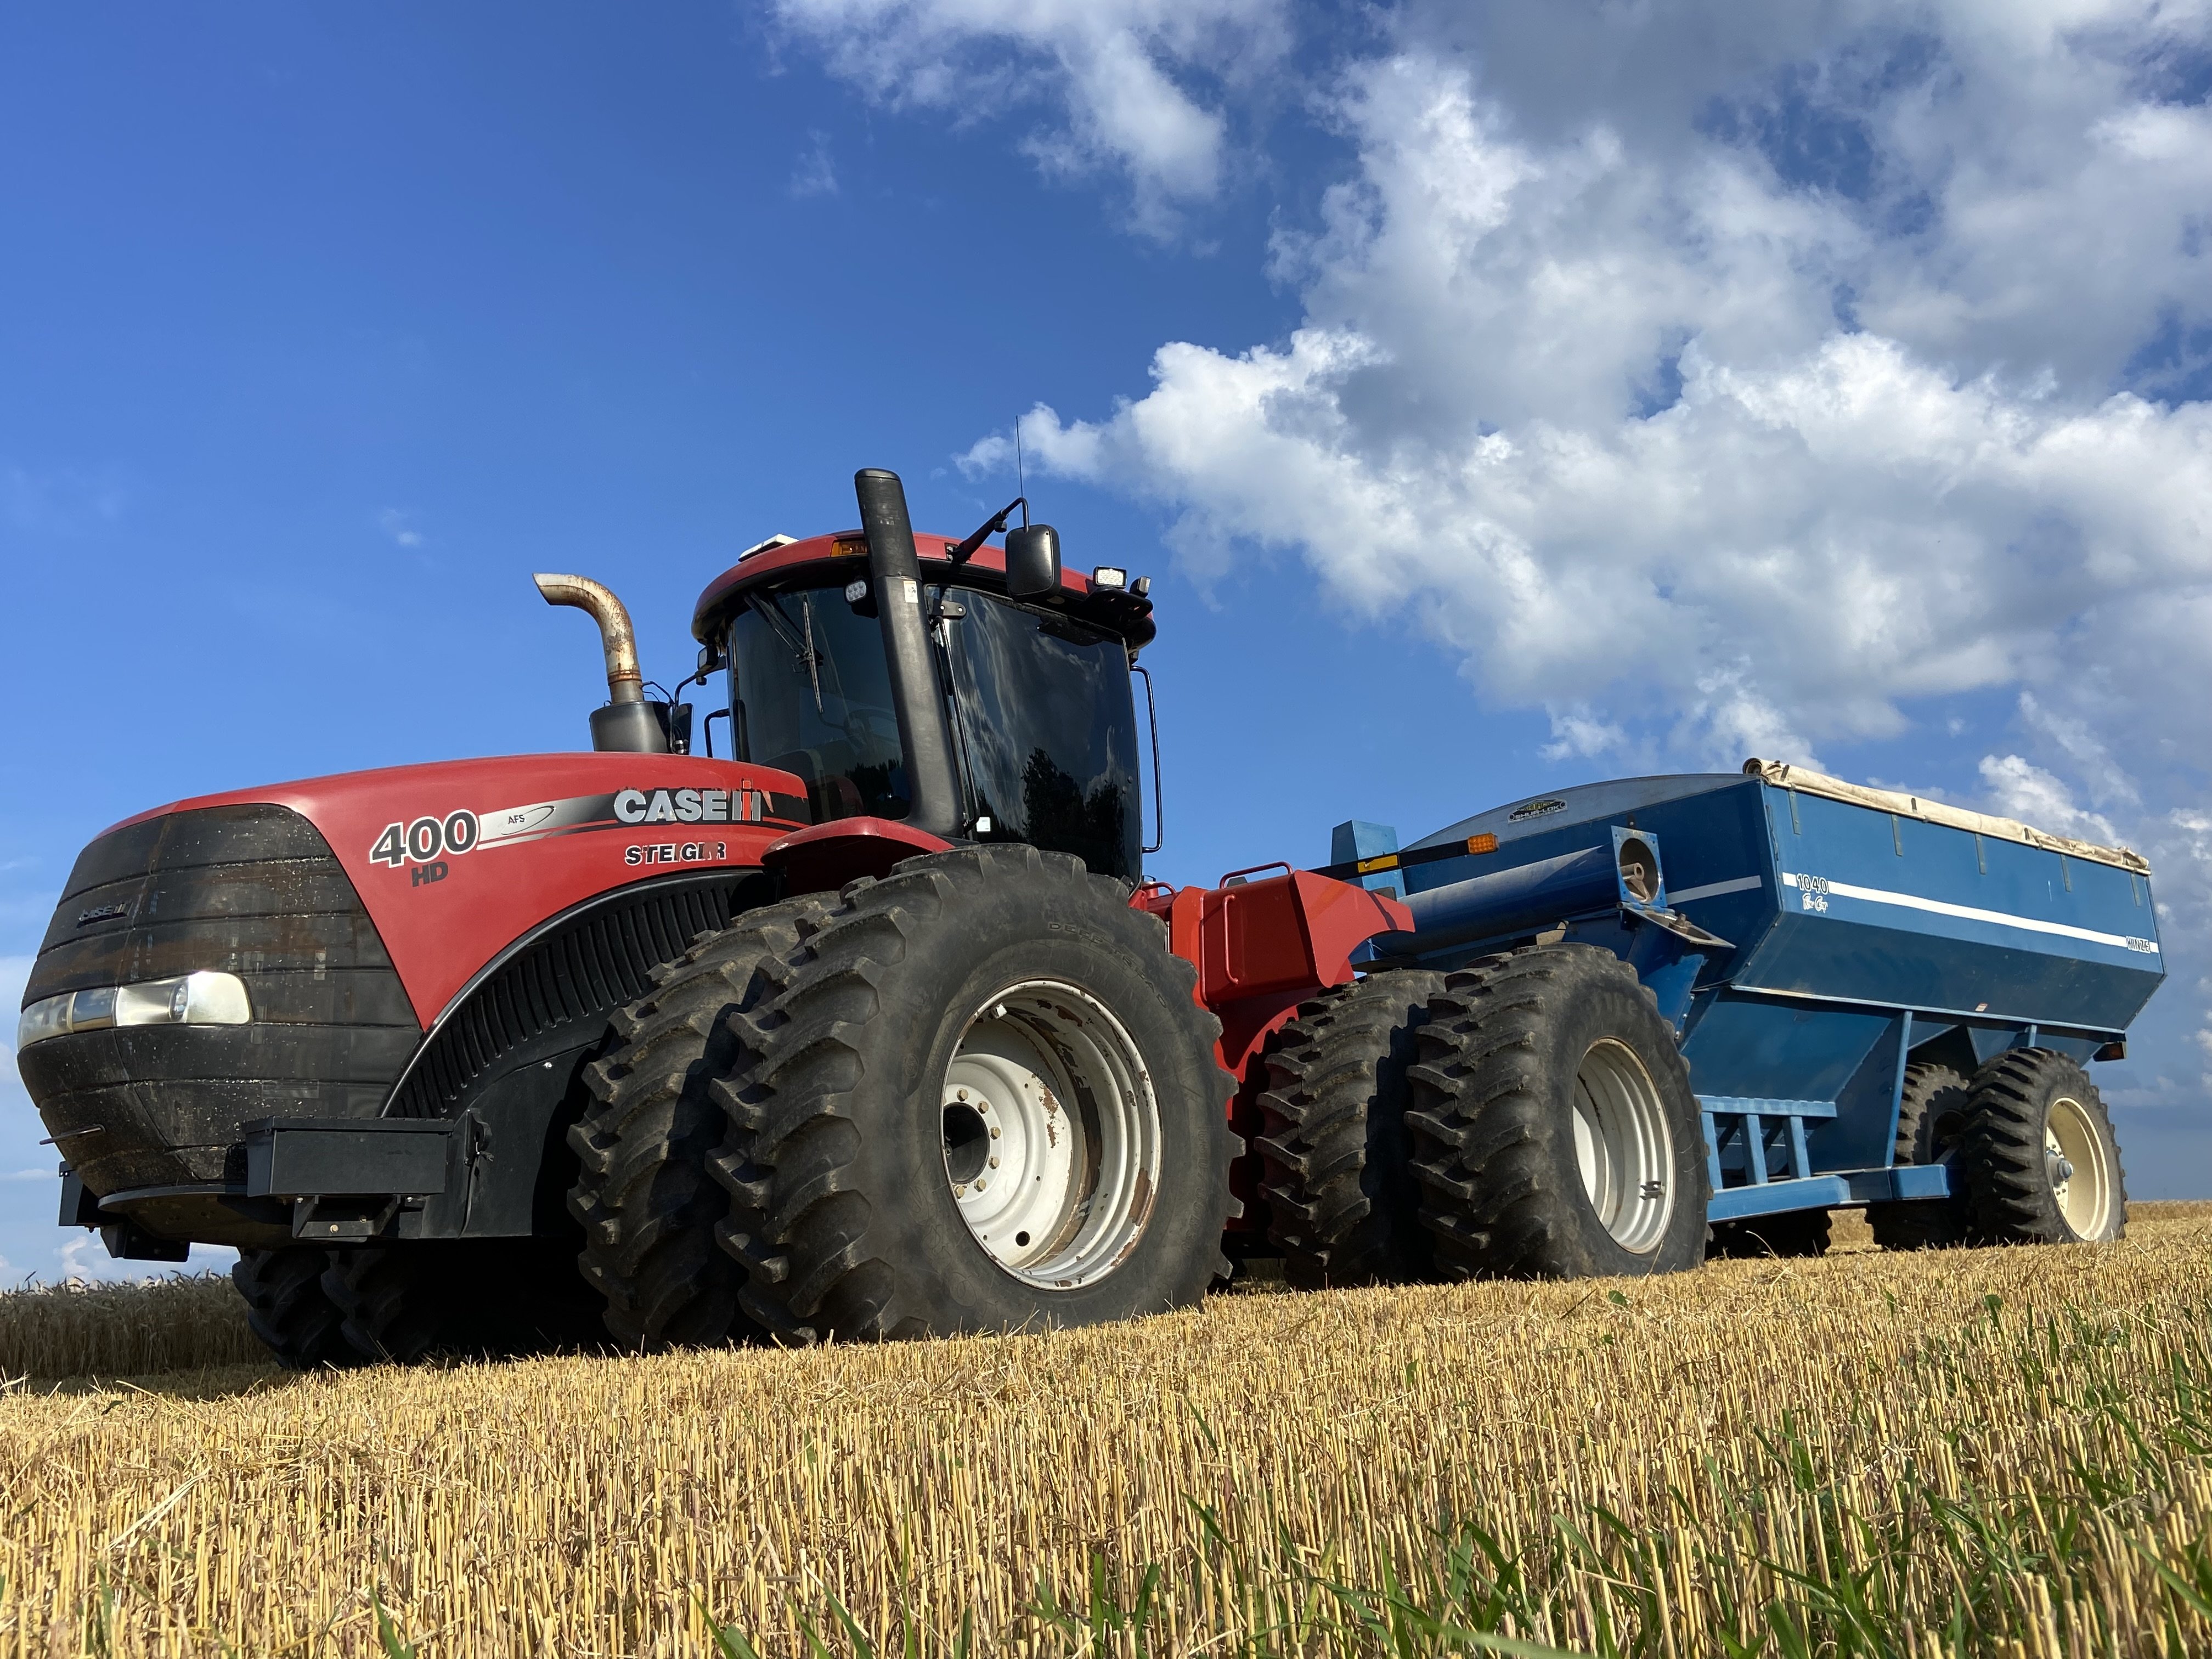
201 999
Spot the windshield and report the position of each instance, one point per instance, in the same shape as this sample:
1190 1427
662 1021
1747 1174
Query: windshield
1047 729
812 694
1042 716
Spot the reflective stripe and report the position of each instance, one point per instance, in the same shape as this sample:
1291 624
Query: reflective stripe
1968 913
1714 889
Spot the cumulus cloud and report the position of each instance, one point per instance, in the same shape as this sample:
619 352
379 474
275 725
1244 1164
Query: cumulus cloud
1727 380
1127 81
1609 415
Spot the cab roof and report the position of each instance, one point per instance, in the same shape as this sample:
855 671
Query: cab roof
839 557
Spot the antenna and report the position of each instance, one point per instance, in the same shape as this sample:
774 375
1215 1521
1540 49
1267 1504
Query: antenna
1021 477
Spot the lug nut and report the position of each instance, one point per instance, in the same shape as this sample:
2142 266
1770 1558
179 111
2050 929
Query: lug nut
994 1160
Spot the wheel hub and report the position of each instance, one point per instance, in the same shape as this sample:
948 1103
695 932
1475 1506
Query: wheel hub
2079 1168
1051 1135
1623 1148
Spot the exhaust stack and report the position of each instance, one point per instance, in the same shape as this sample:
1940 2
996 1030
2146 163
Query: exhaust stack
629 723
895 575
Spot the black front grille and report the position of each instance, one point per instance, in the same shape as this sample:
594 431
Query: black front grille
253 890
566 983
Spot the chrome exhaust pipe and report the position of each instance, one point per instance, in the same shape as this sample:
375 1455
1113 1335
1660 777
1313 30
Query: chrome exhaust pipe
629 723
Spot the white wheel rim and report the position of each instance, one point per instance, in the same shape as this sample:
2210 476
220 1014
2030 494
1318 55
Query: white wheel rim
1623 1148
1051 1135
2085 1196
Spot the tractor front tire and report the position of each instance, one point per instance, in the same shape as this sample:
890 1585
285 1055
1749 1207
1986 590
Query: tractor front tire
1931 1120
982 1098
289 1310
1555 1134
474 1297
1334 1167
2042 1164
643 1196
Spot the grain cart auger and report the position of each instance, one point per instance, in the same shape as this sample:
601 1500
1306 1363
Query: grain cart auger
871 1029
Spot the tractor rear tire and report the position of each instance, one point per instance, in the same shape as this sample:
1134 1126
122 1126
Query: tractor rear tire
1931 1119
988 997
647 1205
1794 1233
2041 1163
1555 1134
1334 1167
288 1308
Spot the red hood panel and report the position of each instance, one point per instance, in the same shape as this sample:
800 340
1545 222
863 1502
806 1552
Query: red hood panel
456 859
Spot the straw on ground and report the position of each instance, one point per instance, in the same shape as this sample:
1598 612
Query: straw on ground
1989 1451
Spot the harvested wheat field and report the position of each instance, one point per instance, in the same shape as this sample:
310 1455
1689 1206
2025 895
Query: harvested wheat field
2000 1452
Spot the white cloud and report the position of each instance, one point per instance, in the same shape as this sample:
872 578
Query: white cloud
394 523
1725 382
2020 789
1128 80
1675 434
816 173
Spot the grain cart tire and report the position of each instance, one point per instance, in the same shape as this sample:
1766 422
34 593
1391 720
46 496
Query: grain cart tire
1792 1233
1555 1135
2042 1165
647 1203
1931 1118
981 1098
286 1308
1341 1200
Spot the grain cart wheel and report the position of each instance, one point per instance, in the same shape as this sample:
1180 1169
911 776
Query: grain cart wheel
1792 1233
2041 1163
1342 1201
1555 1135
287 1310
1931 1117
983 1098
643 1192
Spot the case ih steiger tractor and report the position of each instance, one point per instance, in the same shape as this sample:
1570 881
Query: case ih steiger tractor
871 1029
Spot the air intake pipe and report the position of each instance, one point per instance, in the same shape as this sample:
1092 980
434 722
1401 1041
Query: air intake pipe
925 733
629 724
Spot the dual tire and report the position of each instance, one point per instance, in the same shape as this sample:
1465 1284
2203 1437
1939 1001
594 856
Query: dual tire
976 1095
1554 1133
1528 1117
315 1308
2033 1145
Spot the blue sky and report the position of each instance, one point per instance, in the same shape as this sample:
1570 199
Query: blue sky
1499 398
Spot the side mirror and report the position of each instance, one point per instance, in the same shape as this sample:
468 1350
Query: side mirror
1032 561
679 728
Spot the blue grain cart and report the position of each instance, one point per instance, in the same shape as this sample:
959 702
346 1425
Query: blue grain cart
1644 1019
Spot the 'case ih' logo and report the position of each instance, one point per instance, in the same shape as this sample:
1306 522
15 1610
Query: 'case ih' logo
426 839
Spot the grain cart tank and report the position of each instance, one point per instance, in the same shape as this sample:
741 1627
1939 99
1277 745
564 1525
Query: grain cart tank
1871 999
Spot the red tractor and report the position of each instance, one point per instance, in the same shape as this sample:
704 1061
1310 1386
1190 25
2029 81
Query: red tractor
872 1029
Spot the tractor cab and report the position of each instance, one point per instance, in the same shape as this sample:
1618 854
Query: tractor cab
1026 688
